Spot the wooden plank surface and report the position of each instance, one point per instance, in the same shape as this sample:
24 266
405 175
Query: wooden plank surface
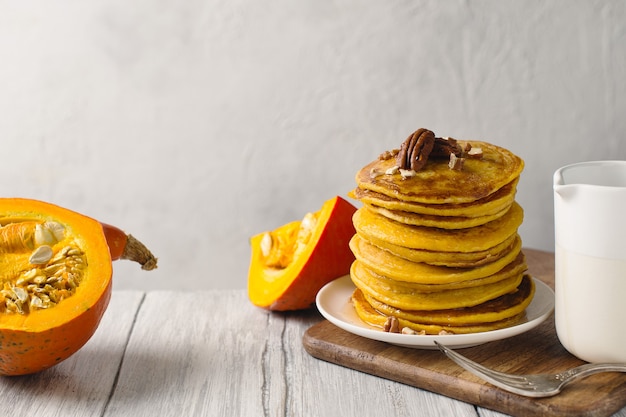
214 354
321 389
82 384
533 352
188 356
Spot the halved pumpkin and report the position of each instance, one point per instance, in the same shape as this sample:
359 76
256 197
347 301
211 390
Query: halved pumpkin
291 264
55 281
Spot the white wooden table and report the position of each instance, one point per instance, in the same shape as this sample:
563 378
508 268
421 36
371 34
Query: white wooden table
210 354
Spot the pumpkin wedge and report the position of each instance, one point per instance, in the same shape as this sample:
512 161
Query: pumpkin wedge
290 264
55 281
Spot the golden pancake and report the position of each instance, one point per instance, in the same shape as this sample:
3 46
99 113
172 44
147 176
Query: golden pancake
380 282
450 259
439 300
377 318
436 183
387 264
492 204
480 238
501 308
442 222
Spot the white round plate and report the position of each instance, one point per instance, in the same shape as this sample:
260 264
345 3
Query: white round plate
333 301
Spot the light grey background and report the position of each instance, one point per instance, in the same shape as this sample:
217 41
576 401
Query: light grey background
196 124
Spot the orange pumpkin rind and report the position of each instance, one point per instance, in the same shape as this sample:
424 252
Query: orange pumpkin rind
42 338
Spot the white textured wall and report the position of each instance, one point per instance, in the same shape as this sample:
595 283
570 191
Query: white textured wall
196 124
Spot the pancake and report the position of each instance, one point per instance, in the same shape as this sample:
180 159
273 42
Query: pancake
383 283
456 321
441 300
494 203
441 222
450 259
436 183
387 264
501 308
368 223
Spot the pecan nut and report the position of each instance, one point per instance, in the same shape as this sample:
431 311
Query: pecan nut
456 162
415 150
392 325
444 147
388 154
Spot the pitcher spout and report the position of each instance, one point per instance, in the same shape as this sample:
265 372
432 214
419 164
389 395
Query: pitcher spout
562 189
565 191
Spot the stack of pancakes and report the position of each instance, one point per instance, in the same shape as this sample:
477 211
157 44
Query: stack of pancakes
437 248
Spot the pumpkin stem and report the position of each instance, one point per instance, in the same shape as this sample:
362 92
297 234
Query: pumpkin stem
138 252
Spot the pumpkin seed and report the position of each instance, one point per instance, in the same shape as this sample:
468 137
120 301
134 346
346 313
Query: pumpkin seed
41 255
54 277
21 281
52 268
21 294
43 236
19 306
53 296
60 256
48 233
35 302
57 230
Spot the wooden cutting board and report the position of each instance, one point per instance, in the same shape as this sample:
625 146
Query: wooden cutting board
536 351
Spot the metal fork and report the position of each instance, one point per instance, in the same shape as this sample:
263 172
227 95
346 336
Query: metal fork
537 385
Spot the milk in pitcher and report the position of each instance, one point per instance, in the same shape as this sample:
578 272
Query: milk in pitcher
590 260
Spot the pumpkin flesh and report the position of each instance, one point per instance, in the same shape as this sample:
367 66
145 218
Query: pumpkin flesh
301 257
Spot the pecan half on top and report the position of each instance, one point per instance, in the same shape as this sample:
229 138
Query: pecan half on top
415 150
